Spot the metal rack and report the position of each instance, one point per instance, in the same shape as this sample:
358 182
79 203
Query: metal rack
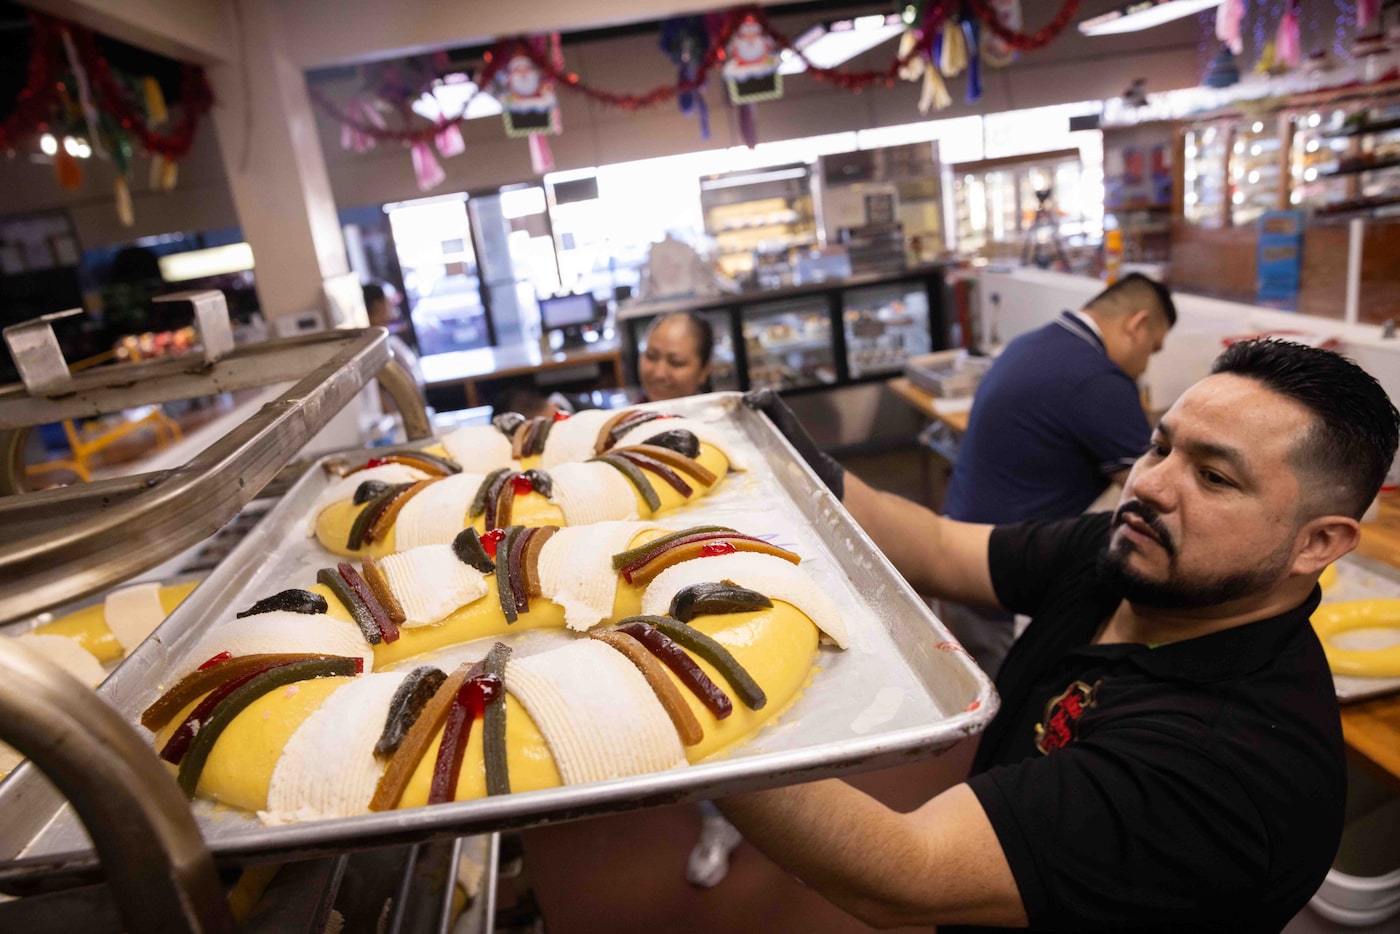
157 874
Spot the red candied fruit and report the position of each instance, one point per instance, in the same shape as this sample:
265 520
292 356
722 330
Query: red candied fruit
561 416
215 660
491 539
521 484
713 549
375 462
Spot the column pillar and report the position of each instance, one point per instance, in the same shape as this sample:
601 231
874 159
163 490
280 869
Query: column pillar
277 175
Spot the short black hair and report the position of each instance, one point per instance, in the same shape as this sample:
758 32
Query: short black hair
1133 292
1355 429
373 292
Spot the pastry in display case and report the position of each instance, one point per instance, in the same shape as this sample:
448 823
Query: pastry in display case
885 326
1206 152
767 211
789 345
1254 171
1347 159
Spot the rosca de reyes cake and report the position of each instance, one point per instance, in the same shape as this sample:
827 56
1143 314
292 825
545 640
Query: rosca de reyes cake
683 644
565 471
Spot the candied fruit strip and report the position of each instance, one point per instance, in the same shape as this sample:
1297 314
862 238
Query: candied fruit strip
517 440
642 571
447 465
292 600
231 706
507 422
532 435
602 442
633 555
516 556
215 660
405 761
205 679
468 548
504 504
411 696
417 463
332 581
690 674
682 717
530 563
468 706
626 425
379 586
546 426
688 637
483 491
493 498
675 460
387 630
673 479
632 473
371 512
493 726
715 599
385 520
503 590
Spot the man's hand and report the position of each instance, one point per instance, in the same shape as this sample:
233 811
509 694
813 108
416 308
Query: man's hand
826 467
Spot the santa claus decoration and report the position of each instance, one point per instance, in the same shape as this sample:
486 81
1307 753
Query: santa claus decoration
751 64
528 98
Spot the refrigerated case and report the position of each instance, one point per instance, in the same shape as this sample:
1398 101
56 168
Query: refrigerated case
759 212
808 338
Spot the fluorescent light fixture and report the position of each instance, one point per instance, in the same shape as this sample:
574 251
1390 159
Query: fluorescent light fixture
710 184
522 202
215 261
827 45
449 96
1143 14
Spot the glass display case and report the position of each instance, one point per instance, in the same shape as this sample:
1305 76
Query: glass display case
810 337
1206 152
764 212
885 325
1346 159
788 344
1255 169
995 201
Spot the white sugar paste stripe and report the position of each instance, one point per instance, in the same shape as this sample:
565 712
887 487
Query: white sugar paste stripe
132 613
280 631
593 492
596 712
478 448
430 582
572 440
576 569
437 514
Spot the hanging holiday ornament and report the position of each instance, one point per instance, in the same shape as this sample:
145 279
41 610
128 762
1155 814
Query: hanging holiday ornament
121 194
684 39
527 95
952 54
974 64
426 168
1224 70
1367 12
996 51
751 64
156 112
1228 19
1288 48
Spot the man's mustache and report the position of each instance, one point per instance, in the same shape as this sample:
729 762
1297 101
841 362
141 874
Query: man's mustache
1154 521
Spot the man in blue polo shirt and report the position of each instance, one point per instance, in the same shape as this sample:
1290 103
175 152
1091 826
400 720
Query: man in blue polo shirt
1057 419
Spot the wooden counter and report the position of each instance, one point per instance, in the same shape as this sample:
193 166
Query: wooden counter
927 405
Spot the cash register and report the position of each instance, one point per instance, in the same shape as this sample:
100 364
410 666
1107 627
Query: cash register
574 318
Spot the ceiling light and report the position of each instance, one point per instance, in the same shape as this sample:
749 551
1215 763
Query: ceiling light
215 261
449 97
1143 14
48 144
827 45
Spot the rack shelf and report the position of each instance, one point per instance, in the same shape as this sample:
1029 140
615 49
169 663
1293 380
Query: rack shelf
1358 169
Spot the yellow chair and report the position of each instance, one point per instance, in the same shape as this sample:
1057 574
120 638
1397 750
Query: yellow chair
83 444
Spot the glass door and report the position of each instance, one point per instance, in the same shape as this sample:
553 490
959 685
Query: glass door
516 246
441 282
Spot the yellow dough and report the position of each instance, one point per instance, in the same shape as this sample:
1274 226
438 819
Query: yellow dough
88 626
1333 619
334 523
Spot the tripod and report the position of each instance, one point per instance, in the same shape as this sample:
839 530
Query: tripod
1034 248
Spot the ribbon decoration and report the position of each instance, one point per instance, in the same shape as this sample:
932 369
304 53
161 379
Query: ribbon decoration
1229 17
974 64
85 101
684 40
1288 48
1367 12
426 168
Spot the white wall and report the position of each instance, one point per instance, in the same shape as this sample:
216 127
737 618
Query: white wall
1019 301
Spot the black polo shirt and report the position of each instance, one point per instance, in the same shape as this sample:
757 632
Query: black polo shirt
1198 785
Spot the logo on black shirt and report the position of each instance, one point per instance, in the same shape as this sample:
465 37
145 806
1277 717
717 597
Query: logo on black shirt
1059 724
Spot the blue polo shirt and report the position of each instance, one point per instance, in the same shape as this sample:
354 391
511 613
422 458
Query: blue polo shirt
1053 420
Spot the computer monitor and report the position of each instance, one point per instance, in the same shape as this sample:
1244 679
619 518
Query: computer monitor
567 311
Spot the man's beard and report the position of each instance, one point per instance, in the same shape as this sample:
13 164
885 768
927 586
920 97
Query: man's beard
1178 591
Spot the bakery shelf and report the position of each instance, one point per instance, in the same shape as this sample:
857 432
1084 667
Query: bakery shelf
1358 169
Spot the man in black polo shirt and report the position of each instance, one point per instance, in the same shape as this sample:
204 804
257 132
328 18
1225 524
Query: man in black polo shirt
1168 755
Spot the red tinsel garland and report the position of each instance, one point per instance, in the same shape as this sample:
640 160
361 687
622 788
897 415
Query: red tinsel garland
1021 41
850 80
43 92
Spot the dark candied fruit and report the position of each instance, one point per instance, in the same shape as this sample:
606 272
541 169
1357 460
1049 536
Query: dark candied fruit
493 726
540 482
293 600
633 473
507 422
624 558
675 658
482 492
715 598
468 548
387 630
678 440
368 490
409 699
717 655
332 581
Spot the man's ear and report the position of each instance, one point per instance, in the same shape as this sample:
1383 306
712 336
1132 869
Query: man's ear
1137 323
1323 540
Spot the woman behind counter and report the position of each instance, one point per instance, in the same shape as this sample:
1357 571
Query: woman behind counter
676 361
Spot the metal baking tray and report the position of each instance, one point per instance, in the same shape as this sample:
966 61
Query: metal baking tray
904 689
